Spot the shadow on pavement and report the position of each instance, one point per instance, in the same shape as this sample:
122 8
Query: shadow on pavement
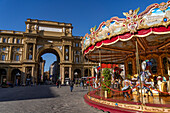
26 93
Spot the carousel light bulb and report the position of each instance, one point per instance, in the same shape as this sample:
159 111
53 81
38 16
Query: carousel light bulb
165 19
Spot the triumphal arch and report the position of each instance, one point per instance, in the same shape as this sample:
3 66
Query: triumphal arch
20 52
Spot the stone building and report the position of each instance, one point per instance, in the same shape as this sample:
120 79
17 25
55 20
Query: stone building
20 52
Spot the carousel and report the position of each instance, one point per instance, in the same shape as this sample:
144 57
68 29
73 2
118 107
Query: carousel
140 44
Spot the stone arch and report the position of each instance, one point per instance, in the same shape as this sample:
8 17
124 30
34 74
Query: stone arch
54 50
57 53
3 75
16 76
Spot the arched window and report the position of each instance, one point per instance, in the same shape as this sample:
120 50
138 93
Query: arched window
4 49
17 58
18 49
130 68
3 57
13 40
67 52
77 59
165 63
4 40
9 40
153 66
18 41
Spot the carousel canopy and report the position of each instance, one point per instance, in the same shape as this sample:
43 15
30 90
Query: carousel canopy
115 38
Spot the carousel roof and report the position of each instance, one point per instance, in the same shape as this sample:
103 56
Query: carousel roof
116 37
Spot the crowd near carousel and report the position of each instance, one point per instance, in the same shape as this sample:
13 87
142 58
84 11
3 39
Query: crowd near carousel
136 50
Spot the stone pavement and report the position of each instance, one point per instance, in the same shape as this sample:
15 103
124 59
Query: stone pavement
44 99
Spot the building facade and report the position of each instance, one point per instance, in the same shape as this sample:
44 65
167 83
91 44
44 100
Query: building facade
20 52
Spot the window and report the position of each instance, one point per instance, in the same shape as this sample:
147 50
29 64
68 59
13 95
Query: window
8 40
17 57
30 51
4 48
77 59
30 57
67 52
4 40
77 52
3 57
18 49
130 68
77 45
18 41
153 66
166 63
13 40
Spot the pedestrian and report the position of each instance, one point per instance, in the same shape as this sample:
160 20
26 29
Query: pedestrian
59 83
71 85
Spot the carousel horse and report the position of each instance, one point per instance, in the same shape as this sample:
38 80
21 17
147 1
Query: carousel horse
148 83
117 78
97 80
144 75
126 86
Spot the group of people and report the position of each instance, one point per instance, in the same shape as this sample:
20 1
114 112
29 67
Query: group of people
71 83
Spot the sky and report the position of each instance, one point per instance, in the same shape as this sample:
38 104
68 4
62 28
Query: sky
83 14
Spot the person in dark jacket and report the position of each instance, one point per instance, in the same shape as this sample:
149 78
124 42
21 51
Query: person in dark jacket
71 85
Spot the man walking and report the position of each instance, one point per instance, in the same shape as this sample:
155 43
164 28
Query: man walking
71 85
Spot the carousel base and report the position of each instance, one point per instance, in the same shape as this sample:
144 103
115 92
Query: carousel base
126 105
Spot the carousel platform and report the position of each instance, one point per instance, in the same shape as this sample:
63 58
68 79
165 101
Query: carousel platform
119 104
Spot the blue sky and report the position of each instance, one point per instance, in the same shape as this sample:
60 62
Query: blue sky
83 14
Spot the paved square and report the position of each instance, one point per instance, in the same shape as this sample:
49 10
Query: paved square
44 99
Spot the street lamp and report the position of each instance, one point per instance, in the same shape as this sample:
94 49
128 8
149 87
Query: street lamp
18 74
75 74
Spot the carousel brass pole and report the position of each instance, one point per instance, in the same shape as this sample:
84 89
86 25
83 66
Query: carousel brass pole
88 72
138 72
167 59
100 73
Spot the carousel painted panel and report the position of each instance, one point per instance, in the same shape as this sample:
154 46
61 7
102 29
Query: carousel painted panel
123 29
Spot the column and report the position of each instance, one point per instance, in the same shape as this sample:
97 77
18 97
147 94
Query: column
35 79
10 53
33 56
32 75
92 71
62 74
82 72
70 58
63 52
161 67
134 67
23 75
8 75
70 73
25 51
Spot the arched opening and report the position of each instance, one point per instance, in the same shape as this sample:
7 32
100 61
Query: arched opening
2 76
166 64
153 66
86 73
16 77
130 68
48 66
77 73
